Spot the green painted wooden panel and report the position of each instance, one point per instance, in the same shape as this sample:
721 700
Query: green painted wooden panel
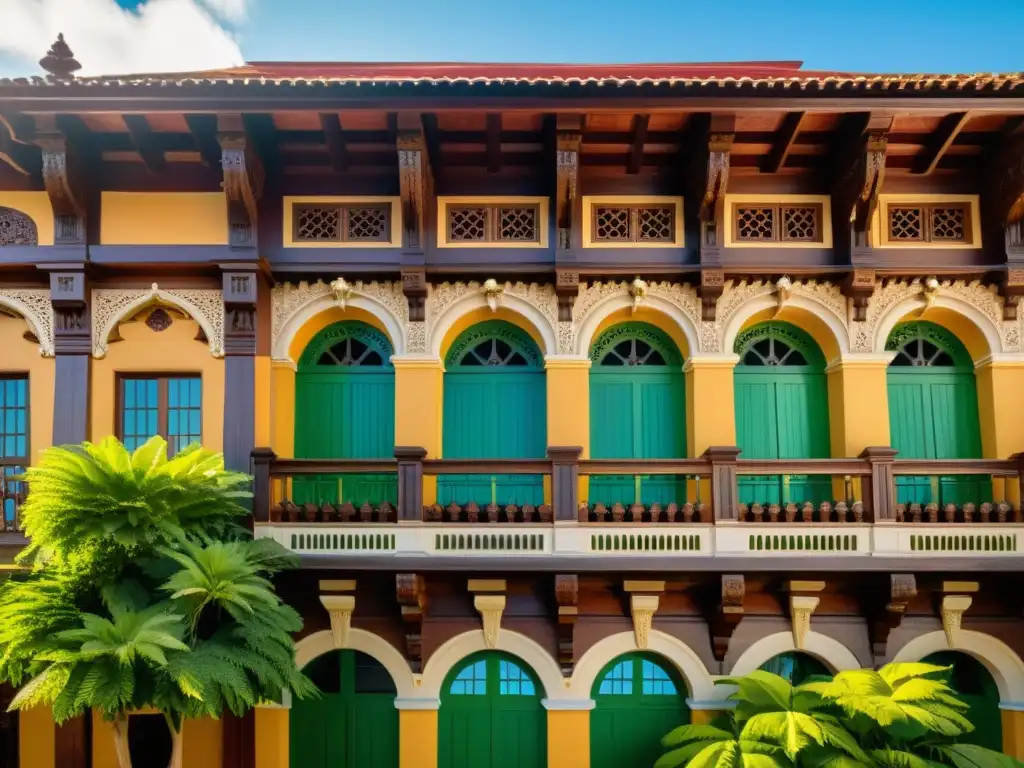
975 686
345 414
494 415
491 715
795 667
354 723
638 698
637 414
933 414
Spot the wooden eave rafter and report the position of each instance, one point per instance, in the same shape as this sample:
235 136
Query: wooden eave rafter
335 139
940 141
142 138
493 142
637 141
203 129
785 138
16 150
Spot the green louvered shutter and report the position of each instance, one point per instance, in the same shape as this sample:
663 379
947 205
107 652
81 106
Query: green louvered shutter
933 412
345 409
491 715
781 397
495 407
637 411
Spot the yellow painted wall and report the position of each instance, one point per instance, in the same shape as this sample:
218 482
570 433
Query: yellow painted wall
483 314
163 218
417 739
35 205
568 739
19 355
703 716
144 351
203 743
1002 420
36 738
271 738
568 399
858 406
645 315
282 409
104 755
1013 733
710 404
419 411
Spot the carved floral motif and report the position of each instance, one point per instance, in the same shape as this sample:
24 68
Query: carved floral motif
35 306
683 297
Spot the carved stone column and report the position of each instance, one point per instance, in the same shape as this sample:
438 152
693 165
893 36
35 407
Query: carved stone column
72 342
240 296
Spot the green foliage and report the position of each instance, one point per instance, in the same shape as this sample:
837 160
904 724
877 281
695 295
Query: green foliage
145 590
902 716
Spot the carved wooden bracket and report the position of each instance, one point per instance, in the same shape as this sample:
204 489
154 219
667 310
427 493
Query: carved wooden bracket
728 614
712 283
415 184
243 181
859 287
414 286
72 326
567 592
1011 288
567 288
567 170
902 589
63 184
1004 193
340 608
860 160
869 173
712 206
802 605
411 589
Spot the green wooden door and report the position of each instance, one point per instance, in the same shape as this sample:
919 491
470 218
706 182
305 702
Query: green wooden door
976 688
345 409
796 667
495 407
639 698
491 715
781 399
933 411
637 411
354 723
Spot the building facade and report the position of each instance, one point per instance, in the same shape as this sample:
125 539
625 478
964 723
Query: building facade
575 388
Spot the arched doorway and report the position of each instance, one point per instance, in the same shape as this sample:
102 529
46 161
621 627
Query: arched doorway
495 407
354 723
976 688
637 411
639 697
781 410
491 715
345 409
796 667
933 411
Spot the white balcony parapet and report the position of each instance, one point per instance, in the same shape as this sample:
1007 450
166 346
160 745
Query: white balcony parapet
945 540
793 539
632 540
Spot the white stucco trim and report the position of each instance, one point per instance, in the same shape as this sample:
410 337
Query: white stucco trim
830 652
622 300
478 300
393 325
900 310
319 643
749 308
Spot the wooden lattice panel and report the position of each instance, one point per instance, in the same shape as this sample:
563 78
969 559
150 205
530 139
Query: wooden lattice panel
493 224
518 224
611 224
366 223
777 223
800 223
922 223
906 223
342 223
755 223
317 223
656 224
467 224
16 228
948 223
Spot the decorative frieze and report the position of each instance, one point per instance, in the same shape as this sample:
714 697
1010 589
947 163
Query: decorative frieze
682 296
112 306
35 306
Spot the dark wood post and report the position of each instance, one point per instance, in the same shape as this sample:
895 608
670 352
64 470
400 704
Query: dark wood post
410 482
565 472
880 490
724 496
69 292
1019 459
262 491
240 297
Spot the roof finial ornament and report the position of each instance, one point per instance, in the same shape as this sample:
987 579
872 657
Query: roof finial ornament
59 62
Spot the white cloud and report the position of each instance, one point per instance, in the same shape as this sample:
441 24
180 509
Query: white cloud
158 36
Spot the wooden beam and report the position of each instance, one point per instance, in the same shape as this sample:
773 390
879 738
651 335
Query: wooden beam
432 136
262 135
493 142
335 141
142 137
940 141
639 138
204 132
415 186
243 179
785 138
15 149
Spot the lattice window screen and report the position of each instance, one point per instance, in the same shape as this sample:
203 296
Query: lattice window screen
337 223
913 223
634 223
493 224
777 223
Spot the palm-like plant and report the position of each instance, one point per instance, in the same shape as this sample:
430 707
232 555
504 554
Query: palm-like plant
722 744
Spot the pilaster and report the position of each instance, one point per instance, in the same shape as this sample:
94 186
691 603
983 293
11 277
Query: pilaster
710 404
240 296
72 344
417 737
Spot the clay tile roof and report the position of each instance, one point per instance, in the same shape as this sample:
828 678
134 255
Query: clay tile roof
774 74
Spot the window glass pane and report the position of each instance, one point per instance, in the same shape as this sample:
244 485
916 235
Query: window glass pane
513 681
656 681
14 418
140 411
184 411
471 681
618 681
371 676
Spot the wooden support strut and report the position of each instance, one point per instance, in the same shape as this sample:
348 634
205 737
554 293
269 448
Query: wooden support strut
721 136
727 615
567 164
411 591
567 593
902 589
61 179
414 179
243 181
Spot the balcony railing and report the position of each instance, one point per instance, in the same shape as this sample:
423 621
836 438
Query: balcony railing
717 504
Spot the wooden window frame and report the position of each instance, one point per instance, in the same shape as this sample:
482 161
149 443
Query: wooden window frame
162 379
345 207
492 223
19 461
778 234
634 223
927 209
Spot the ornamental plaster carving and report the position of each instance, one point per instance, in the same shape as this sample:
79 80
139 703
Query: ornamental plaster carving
952 611
682 296
416 338
340 609
490 608
112 306
642 608
287 300
540 297
800 609
35 306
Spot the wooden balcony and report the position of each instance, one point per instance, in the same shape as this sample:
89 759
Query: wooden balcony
695 510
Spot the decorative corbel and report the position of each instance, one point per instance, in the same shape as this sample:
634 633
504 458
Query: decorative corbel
783 290
415 183
62 180
930 291
716 184
567 288
638 290
956 599
240 291
712 283
567 171
492 293
902 589
243 180
489 601
644 599
802 605
728 614
72 321
411 589
414 286
567 593
860 159
340 607
342 291
859 287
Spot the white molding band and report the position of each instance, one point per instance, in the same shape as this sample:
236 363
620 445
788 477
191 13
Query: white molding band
319 643
822 647
418 704
715 705
568 705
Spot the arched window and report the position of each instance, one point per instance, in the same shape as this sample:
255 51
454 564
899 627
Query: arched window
933 411
796 667
345 409
495 407
639 697
637 411
781 410
353 723
491 715
17 228
975 687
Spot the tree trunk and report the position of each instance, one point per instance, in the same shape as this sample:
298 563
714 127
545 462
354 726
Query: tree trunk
177 744
124 756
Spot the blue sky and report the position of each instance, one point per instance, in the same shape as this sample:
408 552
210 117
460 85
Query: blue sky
160 35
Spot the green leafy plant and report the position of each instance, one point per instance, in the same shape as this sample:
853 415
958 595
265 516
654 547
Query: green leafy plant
902 716
145 592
